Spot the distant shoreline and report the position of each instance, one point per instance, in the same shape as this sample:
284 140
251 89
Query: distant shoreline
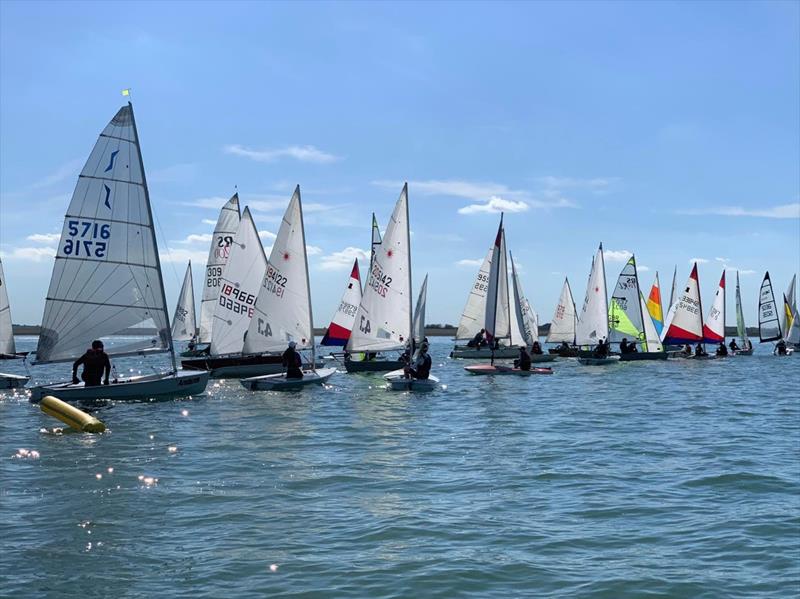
446 330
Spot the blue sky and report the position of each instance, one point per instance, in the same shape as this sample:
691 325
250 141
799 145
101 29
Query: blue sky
671 130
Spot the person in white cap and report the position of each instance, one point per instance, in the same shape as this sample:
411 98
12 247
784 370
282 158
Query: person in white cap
292 362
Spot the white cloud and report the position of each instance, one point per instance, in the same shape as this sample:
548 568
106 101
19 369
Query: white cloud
208 221
343 259
495 205
45 238
469 262
301 153
29 254
722 259
642 268
66 171
781 211
215 202
183 255
196 238
741 271
266 235
698 260
617 255
313 250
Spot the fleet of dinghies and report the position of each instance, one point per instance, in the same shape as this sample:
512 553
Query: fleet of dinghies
107 281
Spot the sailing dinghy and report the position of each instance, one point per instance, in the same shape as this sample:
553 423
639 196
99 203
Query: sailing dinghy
741 329
563 323
654 307
499 320
714 327
383 321
684 324
184 324
769 324
397 379
630 319
526 318
107 275
283 307
7 347
342 322
592 326
221 241
792 331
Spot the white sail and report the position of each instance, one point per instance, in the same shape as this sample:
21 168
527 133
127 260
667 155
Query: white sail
652 342
418 323
673 292
184 324
6 328
684 322
106 278
282 312
714 328
376 239
741 329
472 317
383 321
793 335
790 305
525 316
342 322
499 320
626 319
239 285
791 294
562 325
769 324
225 229
593 322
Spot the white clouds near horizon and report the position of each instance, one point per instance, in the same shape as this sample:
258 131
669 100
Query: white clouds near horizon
306 153
781 211
342 259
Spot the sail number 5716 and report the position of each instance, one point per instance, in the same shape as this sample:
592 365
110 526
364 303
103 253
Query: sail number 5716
81 239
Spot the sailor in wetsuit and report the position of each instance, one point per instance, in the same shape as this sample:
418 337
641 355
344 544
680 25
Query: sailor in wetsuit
95 362
421 368
292 362
524 361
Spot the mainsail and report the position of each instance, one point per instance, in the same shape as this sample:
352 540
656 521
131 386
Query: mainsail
342 322
741 329
625 315
383 321
793 334
107 276
673 292
6 328
239 284
282 309
418 323
790 307
685 320
525 315
562 325
183 323
593 322
769 324
654 307
225 229
652 340
714 328
474 311
500 321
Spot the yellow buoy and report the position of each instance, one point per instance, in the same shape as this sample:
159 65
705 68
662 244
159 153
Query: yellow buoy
71 415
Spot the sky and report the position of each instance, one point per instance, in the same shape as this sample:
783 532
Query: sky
666 129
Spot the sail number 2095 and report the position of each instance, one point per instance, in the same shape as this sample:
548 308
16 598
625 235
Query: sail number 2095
82 239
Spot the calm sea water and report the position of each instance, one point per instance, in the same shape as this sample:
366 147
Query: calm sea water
672 479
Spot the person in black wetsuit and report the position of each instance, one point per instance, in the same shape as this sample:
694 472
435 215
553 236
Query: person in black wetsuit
478 340
95 363
421 368
632 348
536 349
733 345
292 362
624 348
601 351
699 351
780 348
524 362
722 350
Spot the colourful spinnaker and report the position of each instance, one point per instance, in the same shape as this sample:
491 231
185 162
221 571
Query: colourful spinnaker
654 307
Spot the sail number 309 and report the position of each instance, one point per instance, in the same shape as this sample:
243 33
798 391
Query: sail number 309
82 238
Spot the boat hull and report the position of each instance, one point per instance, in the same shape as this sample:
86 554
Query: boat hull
483 353
398 382
572 352
138 388
237 366
640 356
12 381
279 382
598 361
372 365
498 369
743 352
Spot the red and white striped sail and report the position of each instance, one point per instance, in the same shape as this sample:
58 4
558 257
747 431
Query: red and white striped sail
685 321
342 322
714 328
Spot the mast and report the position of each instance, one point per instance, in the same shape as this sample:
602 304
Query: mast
308 285
700 303
574 314
410 341
496 293
605 288
638 297
155 242
724 301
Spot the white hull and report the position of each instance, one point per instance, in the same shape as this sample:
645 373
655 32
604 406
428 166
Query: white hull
279 382
138 388
398 382
12 381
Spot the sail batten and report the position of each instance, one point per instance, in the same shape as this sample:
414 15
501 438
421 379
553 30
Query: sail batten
106 277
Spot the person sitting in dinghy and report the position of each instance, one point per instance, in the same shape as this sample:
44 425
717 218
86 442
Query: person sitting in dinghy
722 350
536 349
700 351
524 362
292 362
95 362
780 348
478 340
687 350
421 369
734 346
624 348
602 349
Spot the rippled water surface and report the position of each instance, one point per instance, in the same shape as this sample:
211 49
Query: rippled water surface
671 479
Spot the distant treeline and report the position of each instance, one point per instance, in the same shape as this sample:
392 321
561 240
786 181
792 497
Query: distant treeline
432 330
